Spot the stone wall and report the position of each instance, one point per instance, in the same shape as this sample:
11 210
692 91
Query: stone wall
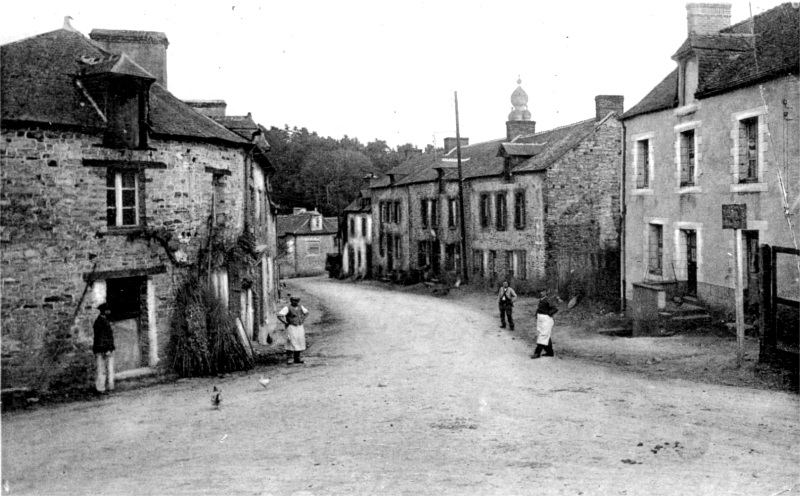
489 239
583 218
299 262
54 232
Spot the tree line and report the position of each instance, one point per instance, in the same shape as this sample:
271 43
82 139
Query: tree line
325 173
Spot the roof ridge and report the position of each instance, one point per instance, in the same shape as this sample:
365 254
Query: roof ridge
565 126
751 18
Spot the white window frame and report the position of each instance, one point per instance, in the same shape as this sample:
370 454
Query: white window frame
646 248
118 197
637 139
317 244
763 133
698 140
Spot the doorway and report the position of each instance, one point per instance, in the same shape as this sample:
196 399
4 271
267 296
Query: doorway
127 299
691 262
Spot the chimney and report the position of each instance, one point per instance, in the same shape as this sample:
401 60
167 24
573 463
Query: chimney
707 18
146 48
209 108
608 103
451 143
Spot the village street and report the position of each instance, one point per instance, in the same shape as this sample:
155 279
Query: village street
407 394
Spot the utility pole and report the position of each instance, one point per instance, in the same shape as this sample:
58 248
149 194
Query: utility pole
464 271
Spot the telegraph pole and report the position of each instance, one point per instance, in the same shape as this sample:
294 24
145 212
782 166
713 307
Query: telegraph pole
464 271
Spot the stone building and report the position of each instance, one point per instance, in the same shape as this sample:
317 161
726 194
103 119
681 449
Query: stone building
305 238
357 237
112 188
542 209
259 281
720 129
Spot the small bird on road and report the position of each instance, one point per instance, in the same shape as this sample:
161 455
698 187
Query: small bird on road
263 381
216 397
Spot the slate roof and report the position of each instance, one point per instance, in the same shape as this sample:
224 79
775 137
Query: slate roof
486 159
733 58
38 76
300 224
356 205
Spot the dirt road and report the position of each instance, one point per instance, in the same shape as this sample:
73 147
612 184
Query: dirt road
404 394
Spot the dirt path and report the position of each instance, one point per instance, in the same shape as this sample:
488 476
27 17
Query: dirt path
405 394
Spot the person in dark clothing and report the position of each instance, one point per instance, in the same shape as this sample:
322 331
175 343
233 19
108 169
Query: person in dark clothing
505 299
544 327
103 349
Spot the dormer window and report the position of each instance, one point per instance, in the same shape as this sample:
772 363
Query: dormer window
125 109
316 222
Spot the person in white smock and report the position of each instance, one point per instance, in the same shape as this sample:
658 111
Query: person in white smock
544 326
293 317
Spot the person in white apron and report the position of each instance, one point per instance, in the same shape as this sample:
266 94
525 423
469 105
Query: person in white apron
544 326
293 317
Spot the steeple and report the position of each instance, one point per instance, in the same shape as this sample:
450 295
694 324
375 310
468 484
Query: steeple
519 121
519 99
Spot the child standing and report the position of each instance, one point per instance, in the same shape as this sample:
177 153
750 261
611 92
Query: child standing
544 326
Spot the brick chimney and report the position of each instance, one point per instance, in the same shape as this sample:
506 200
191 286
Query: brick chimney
604 104
450 143
146 48
209 108
707 18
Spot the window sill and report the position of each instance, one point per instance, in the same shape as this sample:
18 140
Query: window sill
642 191
688 190
749 188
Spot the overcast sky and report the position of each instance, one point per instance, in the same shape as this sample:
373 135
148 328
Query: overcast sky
371 69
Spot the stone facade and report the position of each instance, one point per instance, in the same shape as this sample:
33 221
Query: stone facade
57 245
306 238
744 143
539 207
112 191
357 249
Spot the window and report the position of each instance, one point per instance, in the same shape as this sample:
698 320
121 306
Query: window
352 227
364 226
424 254
397 247
423 212
382 212
748 150
493 264
515 265
434 213
485 210
452 260
519 210
452 213
477 263
502 212
313 248
122 198
656 249
687 153
642 164
519 270
398 216
381 241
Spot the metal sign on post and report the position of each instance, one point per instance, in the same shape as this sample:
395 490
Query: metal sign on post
735 217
